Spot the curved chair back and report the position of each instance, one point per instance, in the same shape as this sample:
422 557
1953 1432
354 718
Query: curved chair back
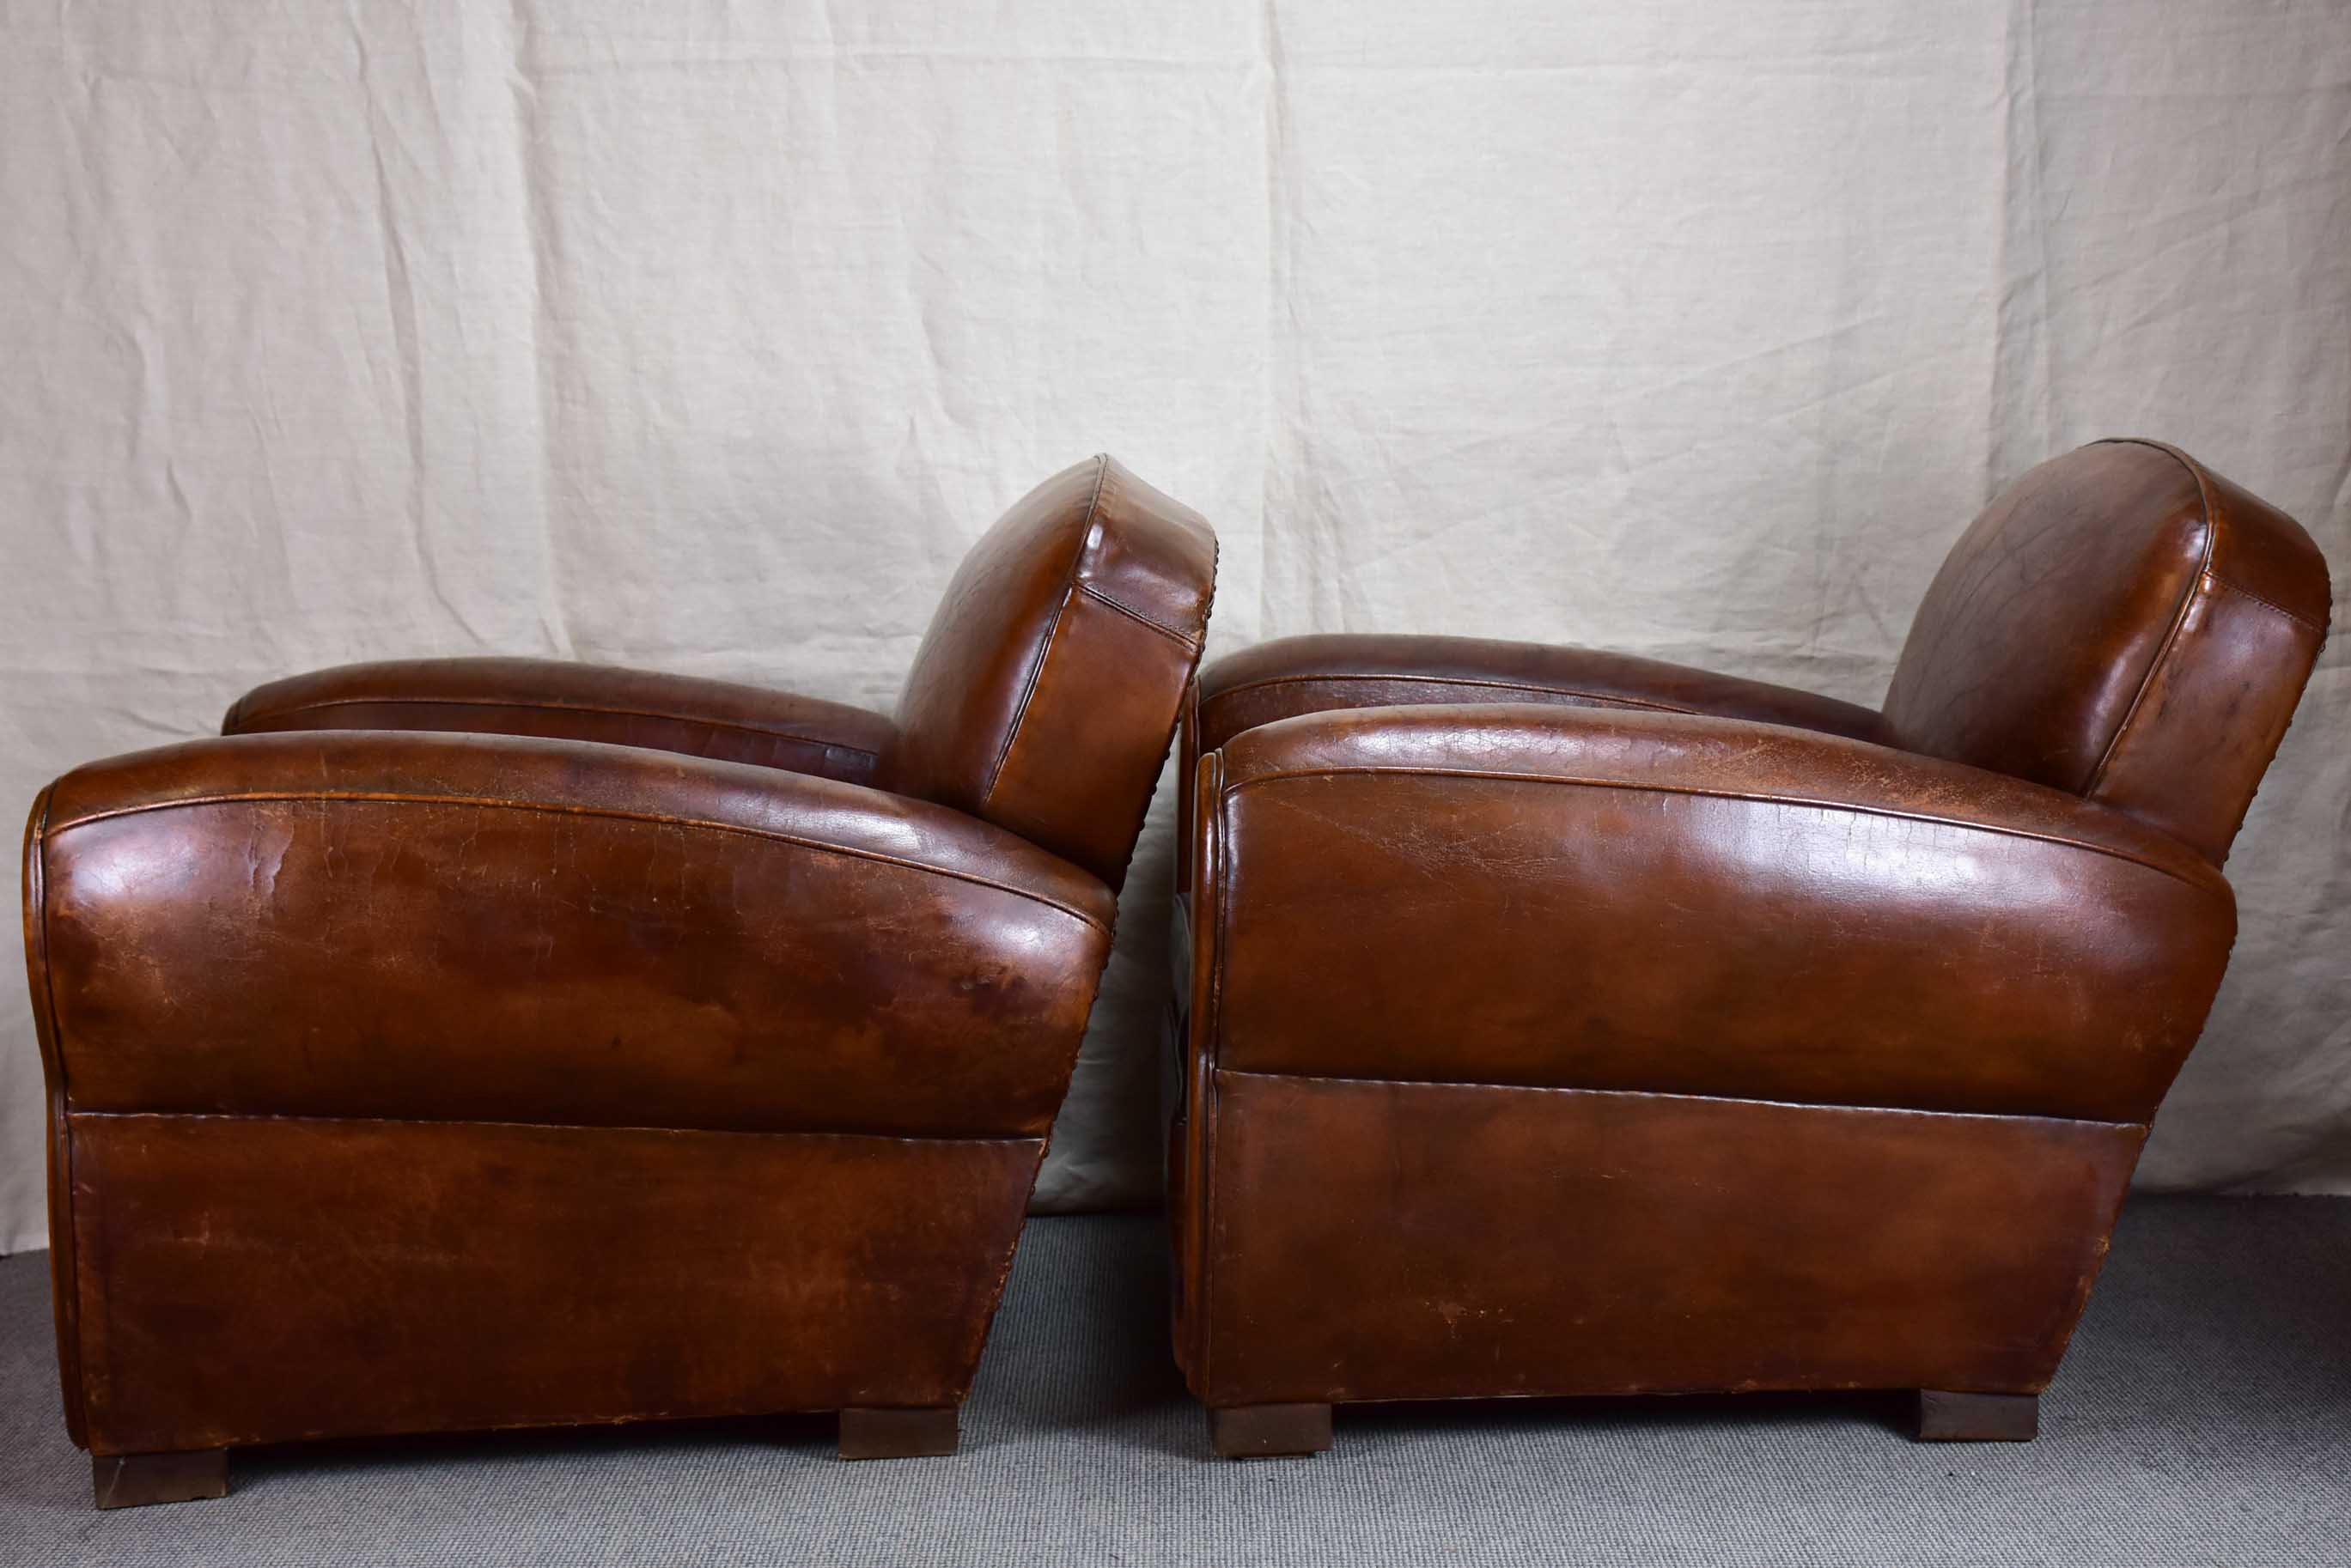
2123 624
1046 692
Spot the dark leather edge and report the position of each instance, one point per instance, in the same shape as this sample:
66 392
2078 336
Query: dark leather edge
65 1299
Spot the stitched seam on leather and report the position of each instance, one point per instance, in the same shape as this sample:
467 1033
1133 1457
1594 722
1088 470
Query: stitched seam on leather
846 851
2179 617
1028 695
1182 639
2296 617
1455 681
744 727
1037 670
1815 803
1683 1094
334 1120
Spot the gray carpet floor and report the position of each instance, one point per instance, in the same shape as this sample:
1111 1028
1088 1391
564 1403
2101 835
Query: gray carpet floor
2203 1416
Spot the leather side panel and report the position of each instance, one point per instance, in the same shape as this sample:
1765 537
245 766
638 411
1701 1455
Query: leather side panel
451 926
1379 1240
248 1280
1585 900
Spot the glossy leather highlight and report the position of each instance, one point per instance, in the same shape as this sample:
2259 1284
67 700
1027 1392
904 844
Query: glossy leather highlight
497 929
1658 874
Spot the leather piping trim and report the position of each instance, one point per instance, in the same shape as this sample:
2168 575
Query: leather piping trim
2138 1127
1451 681
1181 639
2179 628
240 719
1815 801
1037 666
384 798
1038 1138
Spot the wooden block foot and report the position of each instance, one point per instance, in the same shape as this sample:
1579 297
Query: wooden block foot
133 1480
898 1434
1270 1431
1977 1418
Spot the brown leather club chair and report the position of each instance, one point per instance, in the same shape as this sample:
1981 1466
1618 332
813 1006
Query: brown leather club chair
654 1047
1556 1023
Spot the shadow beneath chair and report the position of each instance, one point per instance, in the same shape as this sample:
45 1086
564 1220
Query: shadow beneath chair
1887 1409
813 1434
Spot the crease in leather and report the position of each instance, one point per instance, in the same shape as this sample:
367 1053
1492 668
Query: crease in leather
1836 1105
548 808
1755 796
236 717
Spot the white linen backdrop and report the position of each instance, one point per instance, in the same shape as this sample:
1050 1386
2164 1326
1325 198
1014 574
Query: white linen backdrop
704 337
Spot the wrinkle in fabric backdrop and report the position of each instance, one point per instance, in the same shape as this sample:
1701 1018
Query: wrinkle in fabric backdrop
705 338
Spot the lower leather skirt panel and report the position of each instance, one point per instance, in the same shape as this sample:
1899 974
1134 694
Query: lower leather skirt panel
1369 1240
247 1280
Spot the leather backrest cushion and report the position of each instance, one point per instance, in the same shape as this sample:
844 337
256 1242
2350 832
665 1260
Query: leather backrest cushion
1046 692
2122 624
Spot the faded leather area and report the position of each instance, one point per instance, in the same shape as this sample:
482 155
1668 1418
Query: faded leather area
267 1280
559 699
1313 674
1627 1243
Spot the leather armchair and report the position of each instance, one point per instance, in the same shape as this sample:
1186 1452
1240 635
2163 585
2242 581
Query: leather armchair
1641 1030
489 1042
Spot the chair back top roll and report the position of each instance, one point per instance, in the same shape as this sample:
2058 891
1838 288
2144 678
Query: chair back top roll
1046 692
2122 624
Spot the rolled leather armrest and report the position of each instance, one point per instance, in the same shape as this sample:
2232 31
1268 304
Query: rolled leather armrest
562 700
1581 897
1313 674
473 928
